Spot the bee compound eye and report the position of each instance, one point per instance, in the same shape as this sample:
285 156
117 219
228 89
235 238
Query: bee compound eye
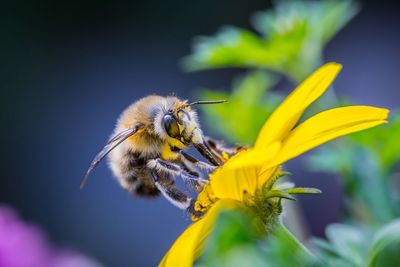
171 126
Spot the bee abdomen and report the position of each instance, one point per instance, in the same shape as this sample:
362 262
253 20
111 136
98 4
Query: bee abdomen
145 188
133 175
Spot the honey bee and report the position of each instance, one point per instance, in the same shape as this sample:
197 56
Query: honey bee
146 150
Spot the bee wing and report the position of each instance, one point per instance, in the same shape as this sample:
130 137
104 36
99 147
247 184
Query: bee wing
118 136
111 144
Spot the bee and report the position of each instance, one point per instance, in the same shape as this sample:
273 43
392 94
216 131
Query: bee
147 149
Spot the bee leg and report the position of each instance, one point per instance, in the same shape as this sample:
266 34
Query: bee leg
221 149
175 196
196 162
200 182
213 158
174 169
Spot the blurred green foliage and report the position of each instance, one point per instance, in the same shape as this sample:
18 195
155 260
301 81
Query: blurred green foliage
346 245
236 242
366 162
385 247
289 39
360 245
232 243
289 42
240 119
383 142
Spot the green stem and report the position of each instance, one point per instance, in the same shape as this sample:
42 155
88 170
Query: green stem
284 235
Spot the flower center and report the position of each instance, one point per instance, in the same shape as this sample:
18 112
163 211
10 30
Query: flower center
257 201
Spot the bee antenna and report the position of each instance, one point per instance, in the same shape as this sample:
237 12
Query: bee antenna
207 102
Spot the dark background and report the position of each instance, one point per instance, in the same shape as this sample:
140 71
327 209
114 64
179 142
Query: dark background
68 68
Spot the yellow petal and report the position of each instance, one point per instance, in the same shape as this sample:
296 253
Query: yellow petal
189 245
253 157
283 119
234 183
240 174
329 125
186 247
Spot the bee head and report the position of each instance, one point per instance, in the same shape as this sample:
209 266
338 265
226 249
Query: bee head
178 124
181 123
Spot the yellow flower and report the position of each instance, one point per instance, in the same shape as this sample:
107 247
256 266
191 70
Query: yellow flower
237 183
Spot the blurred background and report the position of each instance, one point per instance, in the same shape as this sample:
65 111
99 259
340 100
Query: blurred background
70 67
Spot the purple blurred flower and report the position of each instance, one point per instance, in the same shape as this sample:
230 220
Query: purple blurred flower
25 245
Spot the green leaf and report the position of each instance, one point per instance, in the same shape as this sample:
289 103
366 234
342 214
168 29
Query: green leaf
284 186
385 249
349 242
235 47
279 194
291 39
346 245
303 190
